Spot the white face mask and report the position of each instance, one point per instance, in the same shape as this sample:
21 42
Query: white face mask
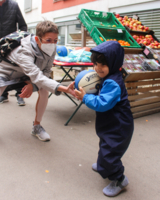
48 48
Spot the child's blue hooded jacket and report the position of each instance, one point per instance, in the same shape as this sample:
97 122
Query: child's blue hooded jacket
114 121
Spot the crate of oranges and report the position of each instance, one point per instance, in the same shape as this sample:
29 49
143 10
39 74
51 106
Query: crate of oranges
100 35
121 42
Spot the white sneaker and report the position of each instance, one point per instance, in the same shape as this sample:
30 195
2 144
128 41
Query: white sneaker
3 99
20 101
94 167
39 132
115 187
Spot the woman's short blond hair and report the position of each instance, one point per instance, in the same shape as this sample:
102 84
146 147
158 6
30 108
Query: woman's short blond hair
45 27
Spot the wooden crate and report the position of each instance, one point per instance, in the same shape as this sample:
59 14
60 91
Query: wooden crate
143 92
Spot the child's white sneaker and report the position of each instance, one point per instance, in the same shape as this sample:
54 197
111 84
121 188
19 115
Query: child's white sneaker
115 187
94 167
39 132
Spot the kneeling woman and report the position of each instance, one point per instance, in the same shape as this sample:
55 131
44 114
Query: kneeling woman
34 59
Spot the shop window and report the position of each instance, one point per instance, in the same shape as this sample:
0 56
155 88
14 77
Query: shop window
27 5
70 34
74 34
61 36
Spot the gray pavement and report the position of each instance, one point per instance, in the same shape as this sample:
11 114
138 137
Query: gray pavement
61 169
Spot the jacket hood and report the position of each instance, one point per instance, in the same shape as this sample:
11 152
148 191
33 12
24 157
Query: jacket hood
113 53
37 52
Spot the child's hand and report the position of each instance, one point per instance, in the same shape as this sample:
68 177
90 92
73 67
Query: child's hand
80 94
70 89
26 91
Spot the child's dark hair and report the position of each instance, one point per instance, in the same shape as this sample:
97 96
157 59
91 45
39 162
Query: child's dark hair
98 58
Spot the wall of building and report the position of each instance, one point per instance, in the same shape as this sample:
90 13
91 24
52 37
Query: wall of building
48 5
132 5
70 13
119 3
69 9
34 15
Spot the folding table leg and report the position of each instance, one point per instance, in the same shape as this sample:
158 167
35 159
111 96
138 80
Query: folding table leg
67 74
73 114
50 95
71 99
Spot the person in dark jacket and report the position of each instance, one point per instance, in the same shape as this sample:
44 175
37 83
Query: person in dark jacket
10 16
114 121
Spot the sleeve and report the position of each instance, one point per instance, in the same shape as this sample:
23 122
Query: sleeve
20 20
109 96
26 63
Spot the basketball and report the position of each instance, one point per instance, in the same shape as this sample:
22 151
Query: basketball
88 80
63 51
69 49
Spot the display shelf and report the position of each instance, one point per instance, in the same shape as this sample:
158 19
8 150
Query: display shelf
150 32
143 92
151 53
132 50
141 75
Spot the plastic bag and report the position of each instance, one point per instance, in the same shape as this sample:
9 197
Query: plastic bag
76 56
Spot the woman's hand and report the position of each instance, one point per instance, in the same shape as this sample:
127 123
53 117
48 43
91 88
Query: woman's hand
70 89
26 91
80 94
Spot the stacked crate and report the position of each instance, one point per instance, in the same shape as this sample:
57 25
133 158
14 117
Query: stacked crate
103 26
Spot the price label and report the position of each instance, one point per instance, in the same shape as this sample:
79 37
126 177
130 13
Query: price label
104 14
119 31
146 51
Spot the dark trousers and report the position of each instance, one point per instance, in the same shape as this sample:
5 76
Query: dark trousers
114 129
109 164
18 87
5 93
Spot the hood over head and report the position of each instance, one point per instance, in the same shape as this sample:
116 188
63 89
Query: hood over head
113 53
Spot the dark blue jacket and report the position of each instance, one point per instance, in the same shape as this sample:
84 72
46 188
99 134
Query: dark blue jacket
111 105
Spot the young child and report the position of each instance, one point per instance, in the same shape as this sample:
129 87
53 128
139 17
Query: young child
114 121
35 59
